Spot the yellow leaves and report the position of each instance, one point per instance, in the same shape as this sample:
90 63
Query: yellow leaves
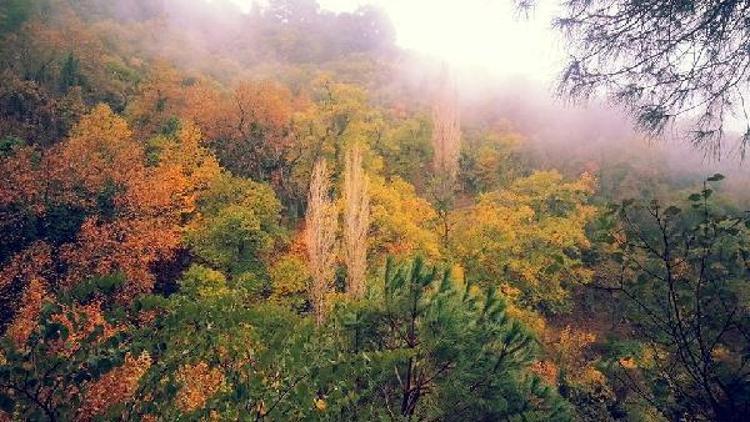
185 169
458 274
573 343
571 351
524 235
100 124
289 278
647 358
320 404
591 376
530 319
99 151
402 222
199 383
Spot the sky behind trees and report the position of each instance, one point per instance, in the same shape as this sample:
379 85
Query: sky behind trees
488 35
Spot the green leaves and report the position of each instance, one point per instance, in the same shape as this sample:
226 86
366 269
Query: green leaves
672 211
431 328
105 285
696 261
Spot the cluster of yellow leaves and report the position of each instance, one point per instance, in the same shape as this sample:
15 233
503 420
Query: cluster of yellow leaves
522 236
402 223
492 156
199 383
114 387
572 345
571 355
289 278
338 118
649 356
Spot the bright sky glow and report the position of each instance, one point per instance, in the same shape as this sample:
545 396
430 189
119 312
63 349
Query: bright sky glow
484 34
474 33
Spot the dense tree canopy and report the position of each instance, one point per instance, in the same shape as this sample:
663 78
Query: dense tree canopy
209 215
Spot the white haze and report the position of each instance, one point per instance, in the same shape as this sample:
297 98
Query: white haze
484 35
513 61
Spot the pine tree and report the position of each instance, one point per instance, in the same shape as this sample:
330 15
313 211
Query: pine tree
433 349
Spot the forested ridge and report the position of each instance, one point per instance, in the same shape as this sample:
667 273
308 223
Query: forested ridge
215 215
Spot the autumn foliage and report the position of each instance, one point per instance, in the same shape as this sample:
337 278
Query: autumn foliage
210 215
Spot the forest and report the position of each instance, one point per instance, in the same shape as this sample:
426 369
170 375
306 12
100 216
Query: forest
280 214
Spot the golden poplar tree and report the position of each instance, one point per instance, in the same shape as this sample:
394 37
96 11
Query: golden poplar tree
446 145
320 237
356 222
446 131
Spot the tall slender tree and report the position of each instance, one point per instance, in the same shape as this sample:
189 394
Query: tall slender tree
356 221
446 132
320 237
446 145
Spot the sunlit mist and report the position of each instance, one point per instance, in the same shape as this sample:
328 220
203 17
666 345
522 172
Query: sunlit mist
491 35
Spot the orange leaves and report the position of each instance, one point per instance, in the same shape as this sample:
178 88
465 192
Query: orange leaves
30 268
199 383
128 246
262 103
26 318
116 386
20 183
158 98
185 168
134 213
99 151
546 370
254 135
32 263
